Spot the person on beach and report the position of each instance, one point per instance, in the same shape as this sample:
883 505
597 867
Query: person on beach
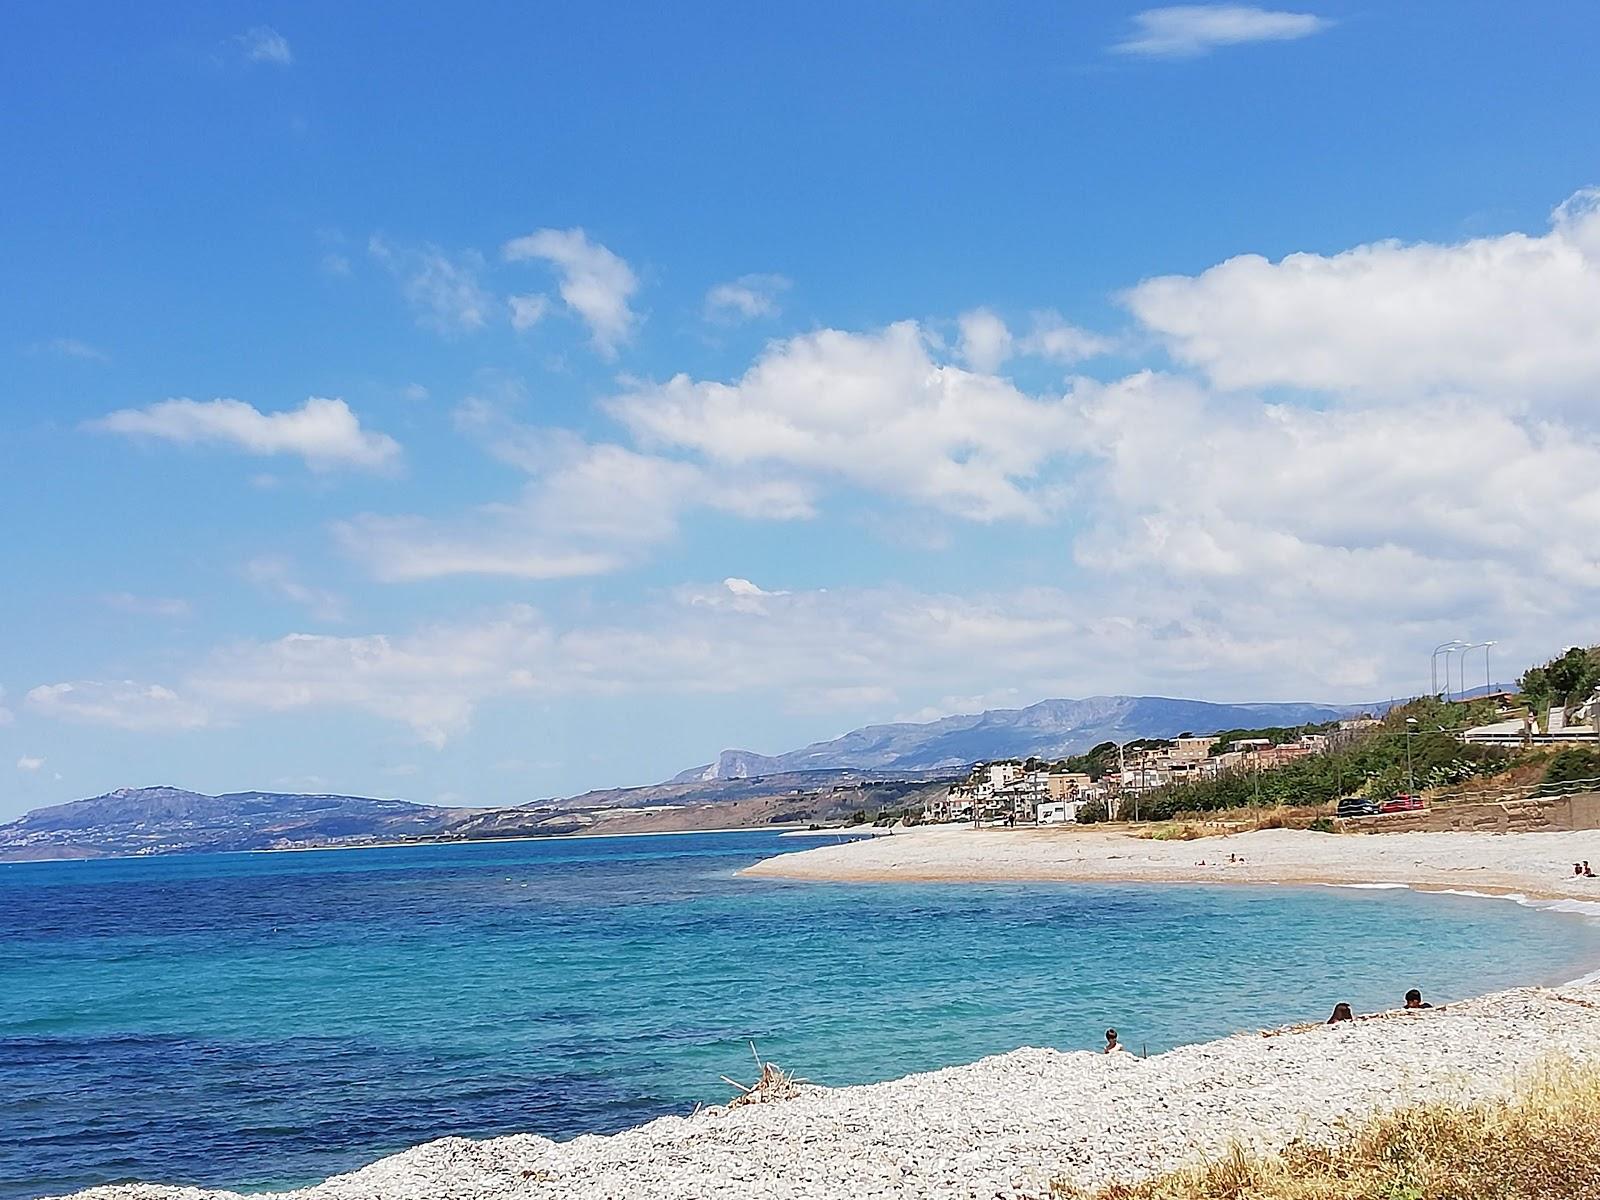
1414 1000
1112 1045
1587 873
1577 868
1341 1012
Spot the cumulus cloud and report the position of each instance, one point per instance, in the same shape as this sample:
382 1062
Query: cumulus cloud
1055 338
323 432
745 299
1512 316
595 284
875 409
444 291
139 707
29 763
1190 30
985 340
590 509
264 44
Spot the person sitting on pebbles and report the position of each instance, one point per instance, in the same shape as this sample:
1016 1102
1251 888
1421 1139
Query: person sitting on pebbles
1414 1000
1341 1012
1112 1045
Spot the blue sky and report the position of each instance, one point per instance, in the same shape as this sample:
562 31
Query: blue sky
475 407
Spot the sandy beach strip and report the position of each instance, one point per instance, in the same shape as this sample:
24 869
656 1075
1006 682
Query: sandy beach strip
1004 1127
1536 865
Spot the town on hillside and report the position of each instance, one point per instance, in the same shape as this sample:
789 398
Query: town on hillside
1365 765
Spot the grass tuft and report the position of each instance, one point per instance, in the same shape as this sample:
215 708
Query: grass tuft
1541 1143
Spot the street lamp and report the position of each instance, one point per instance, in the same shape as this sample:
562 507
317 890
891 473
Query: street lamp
1411 775
1488 684
1447 649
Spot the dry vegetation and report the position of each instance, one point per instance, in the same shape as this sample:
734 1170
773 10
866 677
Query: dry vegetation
1188 827
1540 1144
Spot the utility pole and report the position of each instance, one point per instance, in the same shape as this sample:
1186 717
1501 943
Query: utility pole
1411 774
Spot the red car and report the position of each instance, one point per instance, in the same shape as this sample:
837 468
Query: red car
1402 802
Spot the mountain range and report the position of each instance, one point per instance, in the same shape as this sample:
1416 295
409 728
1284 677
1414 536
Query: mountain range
1048 729
871 766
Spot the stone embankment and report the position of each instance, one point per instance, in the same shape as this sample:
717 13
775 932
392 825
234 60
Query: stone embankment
1525 814
1006 1126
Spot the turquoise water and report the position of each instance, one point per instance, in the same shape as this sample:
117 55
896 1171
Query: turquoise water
264 1020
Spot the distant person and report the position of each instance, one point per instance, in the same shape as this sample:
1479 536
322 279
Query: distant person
1587 873
1112 1045
1341 1012
1577 868
1414 1000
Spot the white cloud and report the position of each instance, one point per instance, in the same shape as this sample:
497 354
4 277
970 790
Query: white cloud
6 715
324 432
170 607
1190 30
68 347
1055 338
595 283
27 763
745 299
1516 317
590 510
265 44
278 577
985 340
139 707
876 410
527 311
444 292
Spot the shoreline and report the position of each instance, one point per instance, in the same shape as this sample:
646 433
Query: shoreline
1007 1125
1535 866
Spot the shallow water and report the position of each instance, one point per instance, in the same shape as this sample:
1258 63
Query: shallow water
267 1020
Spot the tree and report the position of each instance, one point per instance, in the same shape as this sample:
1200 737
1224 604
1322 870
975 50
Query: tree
1569 678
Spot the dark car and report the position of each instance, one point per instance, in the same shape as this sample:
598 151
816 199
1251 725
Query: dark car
1357 806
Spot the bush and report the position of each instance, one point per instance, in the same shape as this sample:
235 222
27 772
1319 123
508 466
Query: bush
1573 764
1092 811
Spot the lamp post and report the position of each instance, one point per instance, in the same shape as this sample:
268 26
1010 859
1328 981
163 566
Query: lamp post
1488 684
1447 649
1411 775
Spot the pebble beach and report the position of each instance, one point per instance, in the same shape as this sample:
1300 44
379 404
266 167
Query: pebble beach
1006 1126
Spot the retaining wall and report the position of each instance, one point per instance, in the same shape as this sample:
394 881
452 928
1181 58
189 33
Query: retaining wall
1547 814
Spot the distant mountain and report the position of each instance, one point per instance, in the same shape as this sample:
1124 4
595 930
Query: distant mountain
164 820
1048 729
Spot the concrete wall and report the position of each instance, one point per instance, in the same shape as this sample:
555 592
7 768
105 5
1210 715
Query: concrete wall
1503 816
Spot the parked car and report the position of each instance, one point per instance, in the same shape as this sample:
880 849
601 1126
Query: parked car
1357 806
1402 802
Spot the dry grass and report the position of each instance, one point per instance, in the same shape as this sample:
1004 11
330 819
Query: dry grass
1188 827
1541 1144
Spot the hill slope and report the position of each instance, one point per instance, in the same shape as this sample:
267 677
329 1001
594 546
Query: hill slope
168 819
1048 729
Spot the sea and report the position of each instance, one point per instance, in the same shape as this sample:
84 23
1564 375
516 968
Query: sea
257 1021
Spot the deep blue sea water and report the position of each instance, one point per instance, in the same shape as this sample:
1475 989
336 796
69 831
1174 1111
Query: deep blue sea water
270 1019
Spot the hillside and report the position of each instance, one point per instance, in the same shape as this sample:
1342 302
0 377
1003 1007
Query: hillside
165 820
1048 729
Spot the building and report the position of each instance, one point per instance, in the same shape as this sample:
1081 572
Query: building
1190 749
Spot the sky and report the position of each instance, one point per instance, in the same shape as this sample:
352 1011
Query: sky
475 406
